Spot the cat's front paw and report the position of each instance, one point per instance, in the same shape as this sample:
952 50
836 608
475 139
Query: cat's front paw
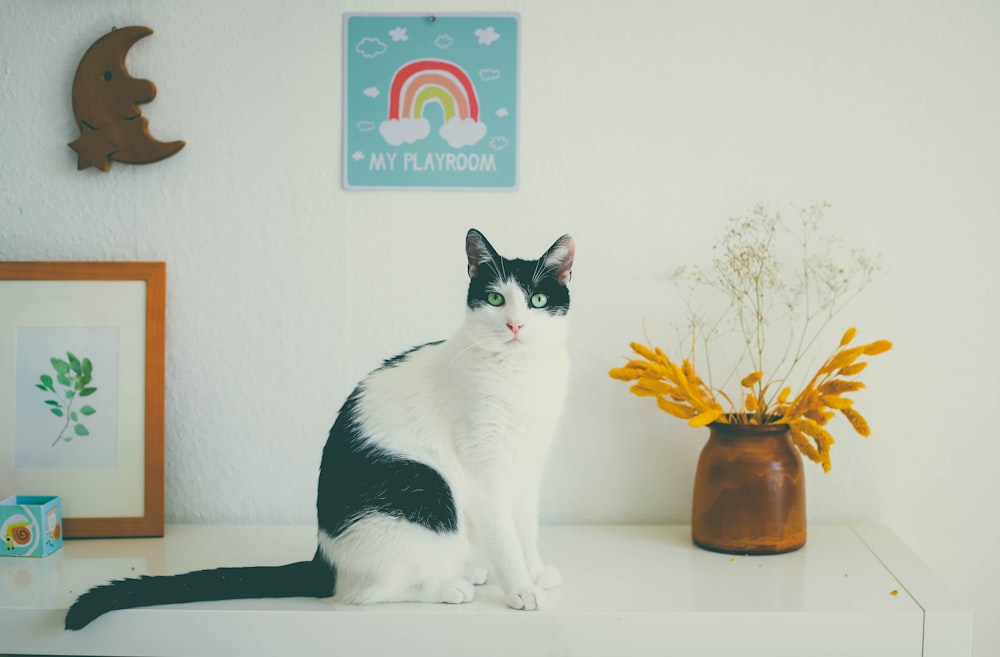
457 591
548 577
528 598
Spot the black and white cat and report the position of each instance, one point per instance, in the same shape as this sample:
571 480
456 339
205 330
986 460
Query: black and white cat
433 466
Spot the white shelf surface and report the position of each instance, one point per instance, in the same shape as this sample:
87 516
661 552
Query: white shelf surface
628 590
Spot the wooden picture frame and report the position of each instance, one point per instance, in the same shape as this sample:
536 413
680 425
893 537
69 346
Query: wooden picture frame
110 481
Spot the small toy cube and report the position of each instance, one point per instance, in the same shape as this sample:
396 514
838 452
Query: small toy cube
30 525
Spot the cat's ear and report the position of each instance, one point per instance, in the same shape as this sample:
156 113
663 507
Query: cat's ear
478 251
559 259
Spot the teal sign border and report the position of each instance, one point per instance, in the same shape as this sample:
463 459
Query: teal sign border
431 101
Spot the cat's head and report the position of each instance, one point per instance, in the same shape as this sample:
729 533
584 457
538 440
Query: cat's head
517 304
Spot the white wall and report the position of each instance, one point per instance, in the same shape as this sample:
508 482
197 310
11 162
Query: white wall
644 126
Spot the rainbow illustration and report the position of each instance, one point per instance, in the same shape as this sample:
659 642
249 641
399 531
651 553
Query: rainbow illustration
432 80
422 82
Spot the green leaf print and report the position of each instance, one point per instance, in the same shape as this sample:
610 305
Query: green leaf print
74 375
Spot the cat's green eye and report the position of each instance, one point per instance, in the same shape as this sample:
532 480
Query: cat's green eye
495 299
539 300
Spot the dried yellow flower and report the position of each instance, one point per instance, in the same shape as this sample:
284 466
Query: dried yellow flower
851 370
842 358
818 415
644 351
625 373
836 402
802 442
857 421
647 387
821 436
839 386
706 418
682 411
879 347
680 392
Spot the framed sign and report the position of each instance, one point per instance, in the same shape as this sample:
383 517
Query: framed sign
81 391
431 101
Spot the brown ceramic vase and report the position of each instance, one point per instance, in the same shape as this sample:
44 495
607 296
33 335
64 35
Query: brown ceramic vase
749 491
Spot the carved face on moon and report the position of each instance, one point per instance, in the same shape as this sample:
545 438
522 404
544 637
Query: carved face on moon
106 103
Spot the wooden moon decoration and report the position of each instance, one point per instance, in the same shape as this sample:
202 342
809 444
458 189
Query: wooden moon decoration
106 103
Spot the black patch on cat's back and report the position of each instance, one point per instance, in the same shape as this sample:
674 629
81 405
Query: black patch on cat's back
358 479
399 358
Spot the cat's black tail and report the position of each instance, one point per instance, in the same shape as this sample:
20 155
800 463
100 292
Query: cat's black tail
314 579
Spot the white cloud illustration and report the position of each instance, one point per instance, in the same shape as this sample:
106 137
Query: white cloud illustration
443 41
502 112
487 36
404 131
371 92
357 156
370 47
398 34
366 126
462 132
488 74
498 143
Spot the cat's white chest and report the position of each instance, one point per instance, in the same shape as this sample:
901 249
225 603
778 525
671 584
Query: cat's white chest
507 408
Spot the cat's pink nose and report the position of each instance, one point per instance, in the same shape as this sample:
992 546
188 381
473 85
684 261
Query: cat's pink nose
514 327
